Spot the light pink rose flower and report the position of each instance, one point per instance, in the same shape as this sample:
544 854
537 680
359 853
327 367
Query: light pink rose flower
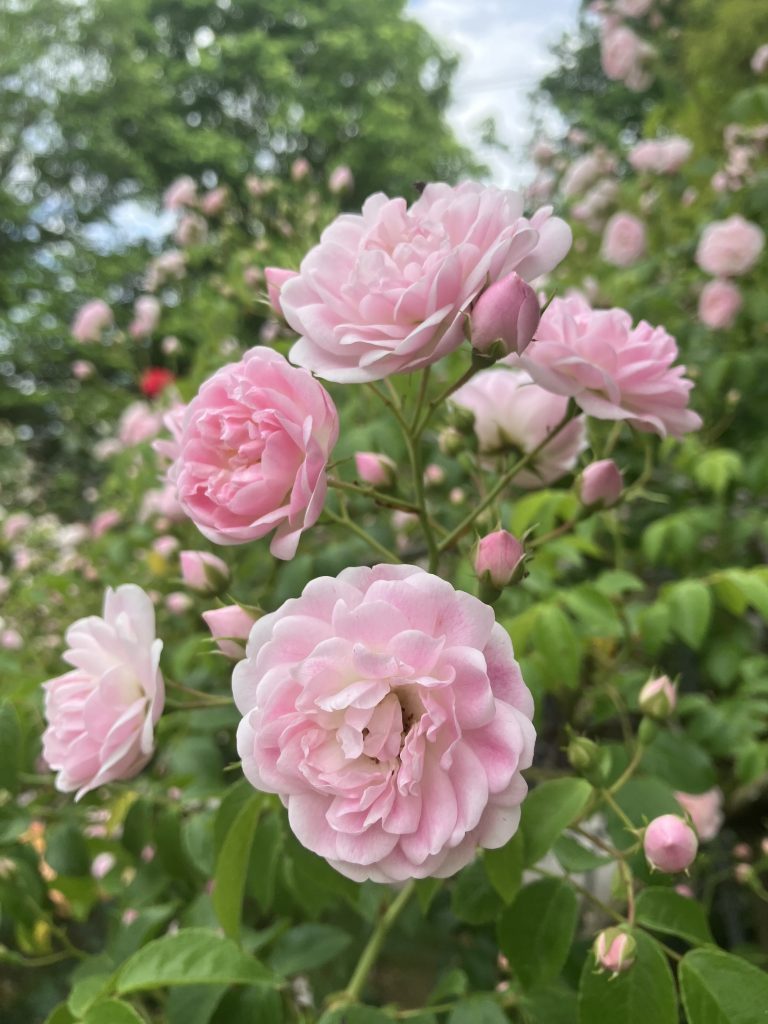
759 62
615 951
613 370
623 54
601 484
623 240
505 316
253 450
16 524
82 369
146 316
178 602
706 811
165 545
387 291
340 179
719 304
169 265
91 320
375 469
728 248
203 571
102 713
512 412
661 156
670 844
104 521
584 170
499 559
276 278
227 626
138 423
191 230
300 168
180 193
387 711
162 504
658 698
633 8
11 639
213 202
102 864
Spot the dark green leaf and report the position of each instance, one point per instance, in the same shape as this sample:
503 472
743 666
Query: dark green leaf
577 858
472 898
504 867
643 994
10 747
666 911
307 946
265 857
112 1011
232 865
66 850
549 809
478 1010
355 1015
679 762
536 931
719 988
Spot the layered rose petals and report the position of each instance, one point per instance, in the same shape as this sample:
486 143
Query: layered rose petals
101 714
388 290
388 712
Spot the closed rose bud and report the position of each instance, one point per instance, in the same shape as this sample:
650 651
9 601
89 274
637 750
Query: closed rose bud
507 312
614 950
203 571
227 626
584 755
601 484
658 698
177 603
670 844
450 441
742 851
375 469
499 559
276 278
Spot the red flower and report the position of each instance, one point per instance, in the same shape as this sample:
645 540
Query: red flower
154 380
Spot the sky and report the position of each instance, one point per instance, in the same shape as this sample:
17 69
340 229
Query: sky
504 51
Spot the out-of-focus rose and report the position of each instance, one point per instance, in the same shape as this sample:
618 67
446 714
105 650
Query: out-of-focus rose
759 62
16 524
728 248
661 156
104 522
192 229
706 811
276 278
505 316
512 412
227 626
375 469
180 193
146 316
11 639
82 369
623 240
601 484
91 320
669 844
387 291
633 8
169 265
613 370
178 603
584 170
300 168
213 202
623 54
340 179
388 712
154 380
253 451
138 423
203 571
101 714
719 304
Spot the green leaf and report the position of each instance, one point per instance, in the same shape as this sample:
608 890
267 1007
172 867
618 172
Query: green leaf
112 1011
265 858
594 611
553 633
10 747
577 858
536 931
307 946
643 994
680 762
66 850
232 866
719 988
193 1004
60 1014
666 911
555 1004
355 1015
250 1006
195 956
549 809
235 797
86 991
472 897
504 867
690 603
715 469
478 1010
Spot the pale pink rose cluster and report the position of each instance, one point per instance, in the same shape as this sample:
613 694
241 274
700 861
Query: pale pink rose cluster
661 156
252 452
101 714
168 266
387 711
613 371
625 55
511 412
585 170
624 240
91 320
146 316
719 304
387 291
731 247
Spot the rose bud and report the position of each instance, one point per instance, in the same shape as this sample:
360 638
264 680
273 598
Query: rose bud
227 626
670 844
601 484
614 950
276 278
585 757
499 559
375 469
508 313
203 571
658 698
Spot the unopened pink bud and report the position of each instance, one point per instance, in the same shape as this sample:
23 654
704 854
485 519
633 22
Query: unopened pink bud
507 312
375 469
685 890
340 179
614 950
601 484
177 603
499 559
742 851
203 571
670 844
227 626
276 278
658 698
102 865
300 168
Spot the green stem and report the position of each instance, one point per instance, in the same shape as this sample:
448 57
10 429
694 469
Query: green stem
608 797
368 957
629 771
389 500
350 524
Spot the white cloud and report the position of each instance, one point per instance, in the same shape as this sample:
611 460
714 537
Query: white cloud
504 51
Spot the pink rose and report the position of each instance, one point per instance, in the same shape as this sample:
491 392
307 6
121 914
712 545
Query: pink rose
180 193
91 320
499 559
146 316
387 291
661 156
613 370
705 809
633 8
253 450
670 845
375 469
728 248
759 62
105 521
138 423
621 50
227 626
203 571
340 179
601 484
300 168
388 712
584 171
505 317
169 265
512 412
192 230
102 713
719 304
82 369
615 951
213 202
276 278
623 240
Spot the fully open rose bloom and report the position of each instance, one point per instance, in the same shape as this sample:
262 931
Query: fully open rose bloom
387 291
613 370
728 248
512 412
387 711
102 713
252 452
